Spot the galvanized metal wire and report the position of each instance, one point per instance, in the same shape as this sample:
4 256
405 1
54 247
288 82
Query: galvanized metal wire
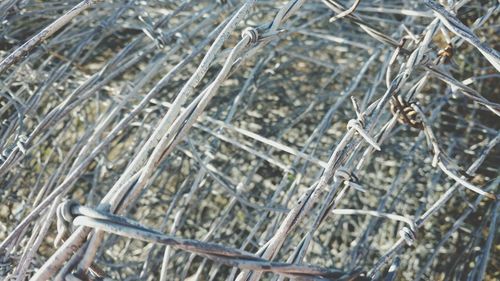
248 140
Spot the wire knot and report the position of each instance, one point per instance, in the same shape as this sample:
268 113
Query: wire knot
5 155
406 113
181 38
408 235
21 143
64 219
349 178
342 174
251 33
356 124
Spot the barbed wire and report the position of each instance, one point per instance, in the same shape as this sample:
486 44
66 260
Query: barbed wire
248 140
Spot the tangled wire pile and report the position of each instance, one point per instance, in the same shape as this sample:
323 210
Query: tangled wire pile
249 140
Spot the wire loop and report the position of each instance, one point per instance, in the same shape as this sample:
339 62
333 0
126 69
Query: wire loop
251 33
408 235
64 219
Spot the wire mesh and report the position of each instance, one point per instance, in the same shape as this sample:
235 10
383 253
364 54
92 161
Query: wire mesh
249 140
